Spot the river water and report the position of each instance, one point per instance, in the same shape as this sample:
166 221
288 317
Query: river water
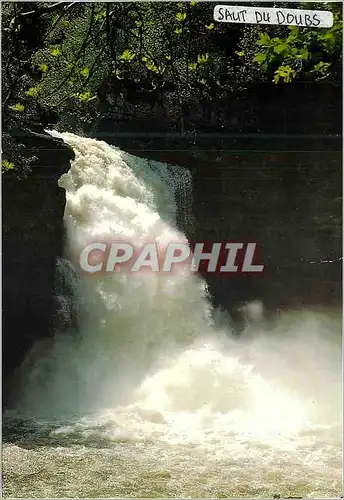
150 398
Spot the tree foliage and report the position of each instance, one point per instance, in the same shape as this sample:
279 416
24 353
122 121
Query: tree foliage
313 54
65 61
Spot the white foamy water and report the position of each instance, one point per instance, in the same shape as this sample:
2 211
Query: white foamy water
151 400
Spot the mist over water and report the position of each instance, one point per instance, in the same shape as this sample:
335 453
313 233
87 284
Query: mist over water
151 397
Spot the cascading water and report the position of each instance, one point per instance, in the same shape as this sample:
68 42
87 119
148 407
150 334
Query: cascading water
150 400
180 183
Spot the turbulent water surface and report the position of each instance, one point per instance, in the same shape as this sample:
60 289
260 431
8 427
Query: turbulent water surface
150 398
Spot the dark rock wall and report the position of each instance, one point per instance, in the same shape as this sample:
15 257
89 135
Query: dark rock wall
32 240
267 168
292 109
290 204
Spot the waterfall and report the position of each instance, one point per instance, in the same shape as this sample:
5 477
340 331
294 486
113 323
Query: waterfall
146 369
179 181
127 321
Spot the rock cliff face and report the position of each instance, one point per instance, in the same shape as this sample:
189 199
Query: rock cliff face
33 211
266 168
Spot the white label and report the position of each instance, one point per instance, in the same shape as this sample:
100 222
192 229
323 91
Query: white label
263 15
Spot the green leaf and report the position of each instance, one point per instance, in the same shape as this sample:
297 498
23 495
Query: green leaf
85 96
294 34
280 48
193 3
100 16
327 39
321 65
151 67
304 54
192 66
17 107
55 51
321 68
178 31
127 55
240 53
43 67
259 58
264 40
85 72
181 16
202 58
7 165
284 73
210 26
138 24
33 91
